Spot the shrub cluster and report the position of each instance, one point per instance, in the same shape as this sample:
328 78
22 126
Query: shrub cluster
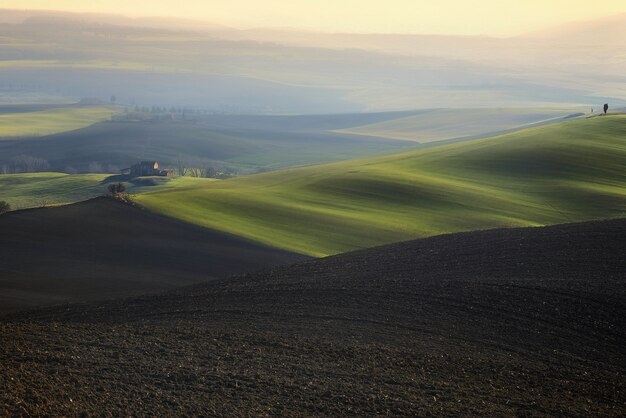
4 207
117 191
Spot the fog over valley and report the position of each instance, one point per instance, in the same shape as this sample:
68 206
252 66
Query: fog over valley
174 63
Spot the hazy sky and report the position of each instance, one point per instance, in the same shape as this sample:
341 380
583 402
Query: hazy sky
489 17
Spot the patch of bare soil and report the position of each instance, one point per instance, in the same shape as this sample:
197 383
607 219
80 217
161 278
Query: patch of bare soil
102 249
520 322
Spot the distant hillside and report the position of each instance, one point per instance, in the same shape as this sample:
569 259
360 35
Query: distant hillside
448 124
103 249
522 322
34 121
242 144
234 143
610 30
173 63
250 143
565 172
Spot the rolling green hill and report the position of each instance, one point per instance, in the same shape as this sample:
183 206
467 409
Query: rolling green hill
558 173
447 124
251 143
51 121
29 190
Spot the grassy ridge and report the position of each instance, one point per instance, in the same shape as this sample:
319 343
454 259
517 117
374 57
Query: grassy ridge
551 174
446 124
47 122
42 189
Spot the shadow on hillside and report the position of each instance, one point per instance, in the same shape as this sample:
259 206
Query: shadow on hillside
116 178
135 181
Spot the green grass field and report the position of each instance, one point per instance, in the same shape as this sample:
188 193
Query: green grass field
23 191
447 124
565 172
47 122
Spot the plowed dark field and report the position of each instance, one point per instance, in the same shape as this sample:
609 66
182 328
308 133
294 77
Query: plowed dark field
103 249
526 322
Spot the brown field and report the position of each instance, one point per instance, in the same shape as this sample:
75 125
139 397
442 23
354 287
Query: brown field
520 322
102 249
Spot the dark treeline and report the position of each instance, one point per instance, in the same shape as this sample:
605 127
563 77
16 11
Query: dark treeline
24 164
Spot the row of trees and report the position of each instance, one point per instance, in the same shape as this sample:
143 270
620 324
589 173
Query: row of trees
24 164
96 167
30 164
159 109
183 168
176 112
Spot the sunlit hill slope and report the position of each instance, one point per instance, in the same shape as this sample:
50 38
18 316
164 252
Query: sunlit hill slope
559 173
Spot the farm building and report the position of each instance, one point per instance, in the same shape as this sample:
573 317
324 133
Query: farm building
147 168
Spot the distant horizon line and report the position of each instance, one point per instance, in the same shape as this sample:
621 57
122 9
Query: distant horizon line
311 31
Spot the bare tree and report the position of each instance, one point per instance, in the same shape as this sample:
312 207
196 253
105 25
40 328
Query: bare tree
208 172
29 164
41 164
181 167
116 189
22 163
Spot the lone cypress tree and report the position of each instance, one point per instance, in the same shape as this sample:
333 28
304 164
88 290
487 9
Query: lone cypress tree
606 108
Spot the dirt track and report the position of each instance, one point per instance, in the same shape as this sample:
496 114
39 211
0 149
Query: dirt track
507 322
103 249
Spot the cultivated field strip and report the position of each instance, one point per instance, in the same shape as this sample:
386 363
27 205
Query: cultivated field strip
503 322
